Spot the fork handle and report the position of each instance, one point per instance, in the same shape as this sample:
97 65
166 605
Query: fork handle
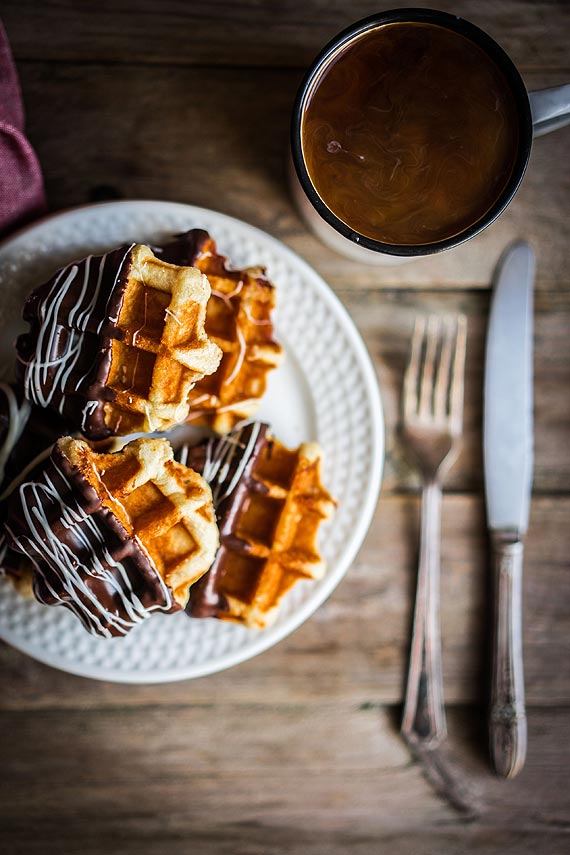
423 722
507 720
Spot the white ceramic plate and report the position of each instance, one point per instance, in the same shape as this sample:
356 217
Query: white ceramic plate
326 390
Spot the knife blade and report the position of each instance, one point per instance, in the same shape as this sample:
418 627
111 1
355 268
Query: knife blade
507 429
508 458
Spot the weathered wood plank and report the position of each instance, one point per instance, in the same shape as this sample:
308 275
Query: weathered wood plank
293 752
171 774
355 647
218 32
254 839
163 139
386 321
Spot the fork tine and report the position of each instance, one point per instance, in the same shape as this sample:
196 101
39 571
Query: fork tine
413 370
442 380
457 377
426 388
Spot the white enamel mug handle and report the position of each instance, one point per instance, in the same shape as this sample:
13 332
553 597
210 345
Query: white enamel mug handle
550 109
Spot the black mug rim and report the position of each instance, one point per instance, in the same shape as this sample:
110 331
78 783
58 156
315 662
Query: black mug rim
496 53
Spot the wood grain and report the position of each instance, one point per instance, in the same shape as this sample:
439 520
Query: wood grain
221 32
184 777
356 646
251 838
161 140
297 752
386 320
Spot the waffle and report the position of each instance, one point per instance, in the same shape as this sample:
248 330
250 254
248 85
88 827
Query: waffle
114 537
117 342
270 503
26 431
27 435
238 319
14 416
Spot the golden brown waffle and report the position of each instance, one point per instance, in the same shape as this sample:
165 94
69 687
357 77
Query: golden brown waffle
114 538
116 343
162 503
238 319
269 516
162 349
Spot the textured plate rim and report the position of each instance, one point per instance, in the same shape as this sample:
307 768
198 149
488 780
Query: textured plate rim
335 571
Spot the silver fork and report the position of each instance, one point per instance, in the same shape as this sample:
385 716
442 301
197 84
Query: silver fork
432 424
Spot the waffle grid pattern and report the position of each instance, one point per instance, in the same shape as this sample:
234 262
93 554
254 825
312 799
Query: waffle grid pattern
166 506
345 408
274 543
239 321
161 349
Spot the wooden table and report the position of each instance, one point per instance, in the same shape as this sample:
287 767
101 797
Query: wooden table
297 751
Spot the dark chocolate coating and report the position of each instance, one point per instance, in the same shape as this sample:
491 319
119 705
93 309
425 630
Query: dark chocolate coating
195 248
41 430
77 311
186 248
206 599
75 324
83 558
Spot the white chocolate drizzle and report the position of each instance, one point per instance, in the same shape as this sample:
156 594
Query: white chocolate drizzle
19 478
228 297
43 548
260 322
88 410
17 418
220 455
3 551
40 387
239 358
237 406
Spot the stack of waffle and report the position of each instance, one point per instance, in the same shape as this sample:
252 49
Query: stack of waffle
139 341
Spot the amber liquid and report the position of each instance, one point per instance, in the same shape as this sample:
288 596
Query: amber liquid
410 134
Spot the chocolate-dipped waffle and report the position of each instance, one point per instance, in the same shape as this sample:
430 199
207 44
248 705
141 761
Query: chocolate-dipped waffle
113 537
116 343
270 503
14 414
26 432
239 320
27 435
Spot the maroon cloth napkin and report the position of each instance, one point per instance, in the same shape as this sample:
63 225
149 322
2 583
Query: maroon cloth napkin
21 184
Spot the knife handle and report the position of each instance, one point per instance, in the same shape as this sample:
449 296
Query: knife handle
507 725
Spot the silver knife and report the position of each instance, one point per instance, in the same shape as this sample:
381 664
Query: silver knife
508 453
